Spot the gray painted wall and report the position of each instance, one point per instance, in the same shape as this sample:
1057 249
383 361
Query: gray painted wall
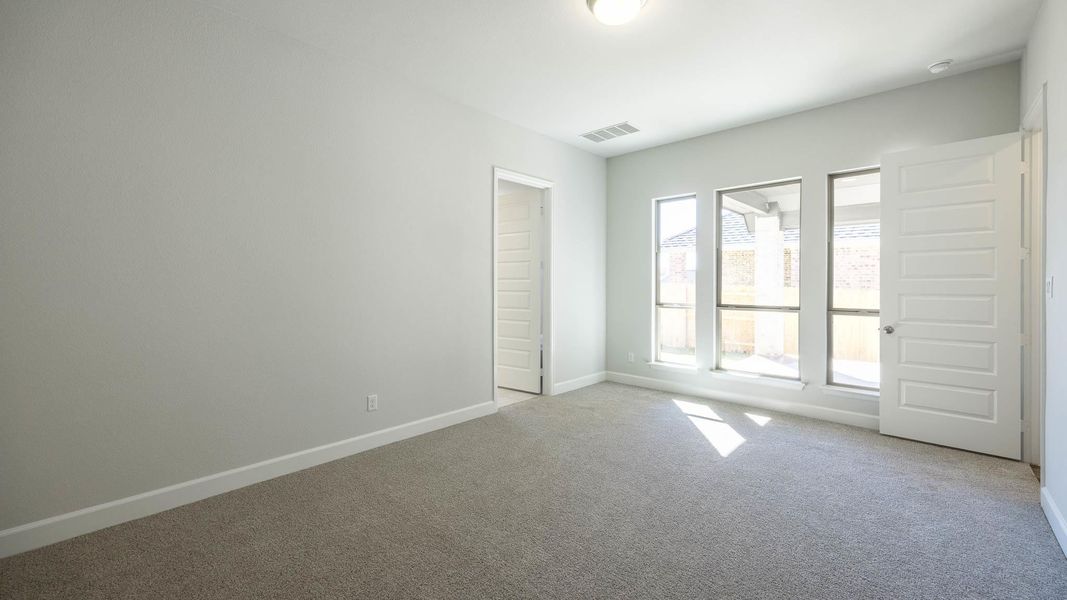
216 240
810 145
1045 63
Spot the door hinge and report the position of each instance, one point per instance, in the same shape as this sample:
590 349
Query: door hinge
1024 339
1024 253
1024 167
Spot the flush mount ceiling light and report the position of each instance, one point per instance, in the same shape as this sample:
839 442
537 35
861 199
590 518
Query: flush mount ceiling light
615 12
940 66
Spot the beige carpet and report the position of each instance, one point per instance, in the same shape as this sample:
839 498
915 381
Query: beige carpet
606 492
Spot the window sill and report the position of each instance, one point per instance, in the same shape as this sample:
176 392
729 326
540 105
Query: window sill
848 392
789 384
662 366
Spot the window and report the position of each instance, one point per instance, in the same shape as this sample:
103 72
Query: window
854 271
759 279
676 226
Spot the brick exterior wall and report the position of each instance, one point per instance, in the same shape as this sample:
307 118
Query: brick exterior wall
856 266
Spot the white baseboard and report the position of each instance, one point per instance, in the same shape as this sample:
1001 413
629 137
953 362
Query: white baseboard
1055 518
835 415
580 382
72 524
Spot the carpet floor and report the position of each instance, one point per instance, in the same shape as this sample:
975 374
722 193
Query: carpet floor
606 492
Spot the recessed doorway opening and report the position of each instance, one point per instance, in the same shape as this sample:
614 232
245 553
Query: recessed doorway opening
521 365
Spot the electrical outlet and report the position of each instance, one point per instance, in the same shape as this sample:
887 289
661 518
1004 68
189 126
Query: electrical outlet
630 357
372 402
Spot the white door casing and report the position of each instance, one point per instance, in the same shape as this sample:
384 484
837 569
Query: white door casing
518 343
951 295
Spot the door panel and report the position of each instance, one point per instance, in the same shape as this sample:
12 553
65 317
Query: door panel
518 296
957 309
951 295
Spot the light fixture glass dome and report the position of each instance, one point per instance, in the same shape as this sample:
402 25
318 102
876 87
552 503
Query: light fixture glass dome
615 12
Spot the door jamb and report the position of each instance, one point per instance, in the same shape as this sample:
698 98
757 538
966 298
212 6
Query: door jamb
1035 201
501 174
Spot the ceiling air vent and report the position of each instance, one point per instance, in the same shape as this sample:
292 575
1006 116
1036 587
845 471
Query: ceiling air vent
610 132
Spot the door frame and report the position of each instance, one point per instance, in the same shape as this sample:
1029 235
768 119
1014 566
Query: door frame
1035 152
502 174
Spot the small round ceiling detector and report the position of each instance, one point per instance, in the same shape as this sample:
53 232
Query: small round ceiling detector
615 12
940 66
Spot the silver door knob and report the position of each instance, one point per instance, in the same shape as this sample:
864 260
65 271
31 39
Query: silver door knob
888 329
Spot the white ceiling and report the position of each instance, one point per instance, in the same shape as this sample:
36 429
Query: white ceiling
683 68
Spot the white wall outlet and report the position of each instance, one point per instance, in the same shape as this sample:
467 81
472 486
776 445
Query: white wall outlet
630 357
1048 287
372 402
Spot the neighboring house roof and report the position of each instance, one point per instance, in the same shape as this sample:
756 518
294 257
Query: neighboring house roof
862 231
735 233
682 240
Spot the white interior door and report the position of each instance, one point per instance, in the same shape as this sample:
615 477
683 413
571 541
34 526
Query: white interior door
951 295
518 296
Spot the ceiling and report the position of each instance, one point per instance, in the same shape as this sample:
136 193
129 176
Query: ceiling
682 68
